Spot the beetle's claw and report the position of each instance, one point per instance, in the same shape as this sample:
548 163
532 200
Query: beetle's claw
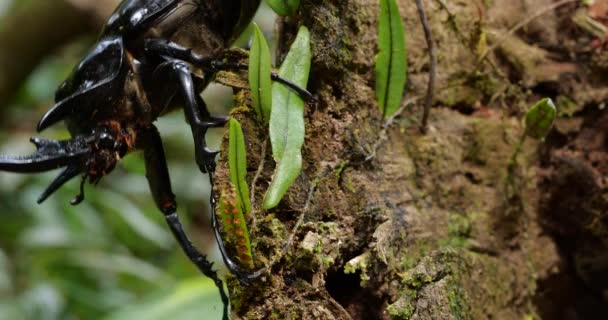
217 121
246 278
206 159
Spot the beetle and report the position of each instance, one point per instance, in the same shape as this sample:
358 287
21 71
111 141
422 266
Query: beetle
152 57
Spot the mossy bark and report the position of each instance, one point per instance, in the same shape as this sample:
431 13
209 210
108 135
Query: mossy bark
397 224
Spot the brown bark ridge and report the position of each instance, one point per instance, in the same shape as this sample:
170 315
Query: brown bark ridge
401 225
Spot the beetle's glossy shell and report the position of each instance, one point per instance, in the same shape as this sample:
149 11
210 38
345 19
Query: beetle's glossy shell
133 17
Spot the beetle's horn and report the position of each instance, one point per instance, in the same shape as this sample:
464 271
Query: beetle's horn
59 112
50 155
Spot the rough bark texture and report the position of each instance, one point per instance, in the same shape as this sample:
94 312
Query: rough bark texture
430 227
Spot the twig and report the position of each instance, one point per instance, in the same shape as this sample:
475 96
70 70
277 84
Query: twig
295 229
258 173
298 224
522 24
433 65
387 124
509 179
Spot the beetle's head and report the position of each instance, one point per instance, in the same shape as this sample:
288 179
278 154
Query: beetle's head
93 85
91 155
107 145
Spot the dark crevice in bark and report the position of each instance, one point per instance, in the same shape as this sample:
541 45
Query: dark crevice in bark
573 210
361 303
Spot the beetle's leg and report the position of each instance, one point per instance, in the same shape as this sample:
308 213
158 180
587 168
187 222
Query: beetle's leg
160 186
174 50
219 65
197 115
195 109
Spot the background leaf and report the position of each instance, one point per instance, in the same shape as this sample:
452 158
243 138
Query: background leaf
237 161
284 7
287 119
391 62
192 299
259 75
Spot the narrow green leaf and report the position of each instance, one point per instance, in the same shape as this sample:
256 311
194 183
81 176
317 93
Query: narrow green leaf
237 162
259 75
286 173
539 118
287 119
235 226
284 7
391 62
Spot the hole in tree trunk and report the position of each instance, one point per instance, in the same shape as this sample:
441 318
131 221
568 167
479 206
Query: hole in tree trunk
361 303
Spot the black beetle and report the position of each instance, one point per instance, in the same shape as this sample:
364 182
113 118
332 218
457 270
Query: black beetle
152 57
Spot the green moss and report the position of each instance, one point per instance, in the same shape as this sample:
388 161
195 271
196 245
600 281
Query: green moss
327 228
457 94
359 264
459 306
459 231
327 261
566 107
414 254
340 169
456 292
417 280
483 82
403 308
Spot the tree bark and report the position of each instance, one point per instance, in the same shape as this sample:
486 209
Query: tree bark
399 224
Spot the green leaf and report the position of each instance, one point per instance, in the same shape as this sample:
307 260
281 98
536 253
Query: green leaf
539 118
259 75
189 300
391 62
237 162
286 173
284 7
287 119
235 226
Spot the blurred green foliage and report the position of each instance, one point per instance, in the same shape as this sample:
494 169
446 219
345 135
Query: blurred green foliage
112 256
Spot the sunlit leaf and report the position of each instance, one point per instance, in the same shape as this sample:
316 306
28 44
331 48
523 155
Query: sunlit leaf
237 162
391 62
259 75
284 7
287 119
539 118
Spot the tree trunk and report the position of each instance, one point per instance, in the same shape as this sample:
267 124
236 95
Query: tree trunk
399 224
